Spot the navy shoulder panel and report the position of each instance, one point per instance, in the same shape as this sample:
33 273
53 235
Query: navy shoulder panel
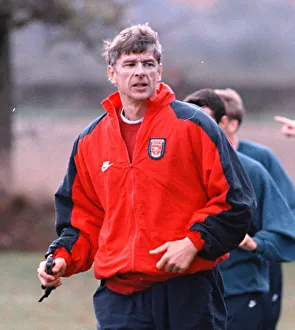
68 235
219 236
194 113
88 130
91 126
184 110
71 173
63 197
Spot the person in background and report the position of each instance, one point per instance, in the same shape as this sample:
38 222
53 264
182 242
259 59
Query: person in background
288 127
155 212
235 111
271 236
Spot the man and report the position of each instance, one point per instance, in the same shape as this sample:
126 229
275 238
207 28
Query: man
288 127
155 212
271 235
235 112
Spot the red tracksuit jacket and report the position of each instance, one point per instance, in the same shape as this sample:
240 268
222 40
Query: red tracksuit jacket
185 180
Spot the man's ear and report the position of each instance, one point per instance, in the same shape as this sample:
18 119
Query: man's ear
111 74
223 122
233 125
160 70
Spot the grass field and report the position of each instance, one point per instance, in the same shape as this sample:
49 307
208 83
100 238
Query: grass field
70 306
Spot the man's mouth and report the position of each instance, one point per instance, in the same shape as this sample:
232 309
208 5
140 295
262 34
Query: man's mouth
140 85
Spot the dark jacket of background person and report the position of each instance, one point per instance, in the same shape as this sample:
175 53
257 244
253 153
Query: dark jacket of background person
273 229
270 161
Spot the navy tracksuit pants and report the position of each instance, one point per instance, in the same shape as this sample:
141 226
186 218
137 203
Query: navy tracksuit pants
275 294
247 311
189 302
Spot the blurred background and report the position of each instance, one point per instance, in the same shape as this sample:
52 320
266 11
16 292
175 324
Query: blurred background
52 80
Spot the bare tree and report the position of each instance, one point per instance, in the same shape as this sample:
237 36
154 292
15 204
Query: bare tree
5 103
86 20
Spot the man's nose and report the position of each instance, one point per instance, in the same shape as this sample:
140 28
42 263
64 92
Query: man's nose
139 70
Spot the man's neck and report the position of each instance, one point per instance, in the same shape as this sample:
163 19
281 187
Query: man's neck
134 110
235 141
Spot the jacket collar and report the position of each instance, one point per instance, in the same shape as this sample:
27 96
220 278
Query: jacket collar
164 96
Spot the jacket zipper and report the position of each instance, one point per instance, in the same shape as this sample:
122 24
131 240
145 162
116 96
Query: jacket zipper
132 199
135 222
132 193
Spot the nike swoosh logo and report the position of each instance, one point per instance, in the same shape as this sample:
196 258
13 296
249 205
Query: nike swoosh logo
105 166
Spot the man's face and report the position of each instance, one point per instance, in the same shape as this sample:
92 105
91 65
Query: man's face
136 75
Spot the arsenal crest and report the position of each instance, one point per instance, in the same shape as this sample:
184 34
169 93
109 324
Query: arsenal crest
156 148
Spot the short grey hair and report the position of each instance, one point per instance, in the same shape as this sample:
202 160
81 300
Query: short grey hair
135 39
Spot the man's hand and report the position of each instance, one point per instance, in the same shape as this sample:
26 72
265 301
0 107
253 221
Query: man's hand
248 243
288 127
178 256
58 270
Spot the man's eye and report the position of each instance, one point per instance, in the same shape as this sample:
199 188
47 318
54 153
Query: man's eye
149 64
129 65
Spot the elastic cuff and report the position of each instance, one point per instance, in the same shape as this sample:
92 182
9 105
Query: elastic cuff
260 245
195 237
63 253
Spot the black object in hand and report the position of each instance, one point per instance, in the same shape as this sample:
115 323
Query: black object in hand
49 265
